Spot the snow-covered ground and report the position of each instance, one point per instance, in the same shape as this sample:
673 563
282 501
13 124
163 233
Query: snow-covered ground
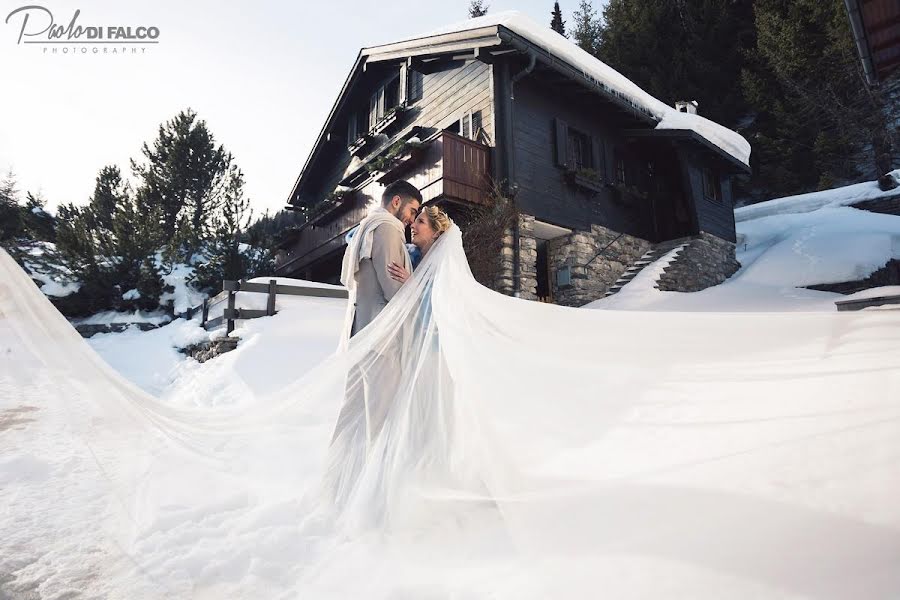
752 455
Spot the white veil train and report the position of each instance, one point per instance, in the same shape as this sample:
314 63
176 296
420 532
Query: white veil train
468 444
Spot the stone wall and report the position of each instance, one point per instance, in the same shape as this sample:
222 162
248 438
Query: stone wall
589 283
505 283
705 261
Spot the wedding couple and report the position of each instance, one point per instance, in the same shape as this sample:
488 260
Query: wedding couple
376 261
396 418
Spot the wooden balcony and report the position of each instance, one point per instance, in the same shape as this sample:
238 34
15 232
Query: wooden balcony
449 167
464 171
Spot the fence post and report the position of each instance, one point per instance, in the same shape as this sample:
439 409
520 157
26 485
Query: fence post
205 313
230 327
270 307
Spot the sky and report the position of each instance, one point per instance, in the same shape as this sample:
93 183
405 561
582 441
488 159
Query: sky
263 75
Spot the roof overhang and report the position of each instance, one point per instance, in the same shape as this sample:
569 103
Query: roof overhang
875 25
689 135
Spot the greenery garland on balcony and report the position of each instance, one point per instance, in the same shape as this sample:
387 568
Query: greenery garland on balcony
383 161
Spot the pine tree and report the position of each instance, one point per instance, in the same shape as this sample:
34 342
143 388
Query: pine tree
37 223
814 115
587 27
11 226
556 23
477 8
685 50
183 175
110 245
227 257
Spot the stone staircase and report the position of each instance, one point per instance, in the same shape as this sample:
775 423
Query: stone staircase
651 256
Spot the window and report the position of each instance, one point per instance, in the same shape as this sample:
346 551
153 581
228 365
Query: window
383 99
415 86
469 125
392 93
712 186
578 149
353 132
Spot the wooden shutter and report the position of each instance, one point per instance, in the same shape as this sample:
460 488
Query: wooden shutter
562 141
352 132
403 85
598 155
373 111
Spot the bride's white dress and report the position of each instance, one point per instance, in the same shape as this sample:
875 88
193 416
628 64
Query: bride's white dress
466 445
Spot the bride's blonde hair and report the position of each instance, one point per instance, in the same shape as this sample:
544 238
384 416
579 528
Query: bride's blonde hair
437 219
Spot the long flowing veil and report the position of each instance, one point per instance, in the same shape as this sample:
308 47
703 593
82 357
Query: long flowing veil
468 445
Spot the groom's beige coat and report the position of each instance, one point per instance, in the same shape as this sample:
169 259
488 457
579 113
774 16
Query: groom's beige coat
374 285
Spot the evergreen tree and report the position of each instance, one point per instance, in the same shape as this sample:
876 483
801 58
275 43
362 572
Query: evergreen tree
587 28
685 50
226 256
477 8
11 226
556 23
815 116
110 245
183 176
37 223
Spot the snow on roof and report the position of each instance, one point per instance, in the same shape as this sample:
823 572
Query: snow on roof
728 141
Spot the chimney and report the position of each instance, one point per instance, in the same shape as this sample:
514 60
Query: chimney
687 106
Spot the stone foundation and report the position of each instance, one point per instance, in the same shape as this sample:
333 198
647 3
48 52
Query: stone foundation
505 283
705 261
589 283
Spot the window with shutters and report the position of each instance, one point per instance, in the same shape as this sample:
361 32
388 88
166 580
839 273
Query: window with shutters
578 150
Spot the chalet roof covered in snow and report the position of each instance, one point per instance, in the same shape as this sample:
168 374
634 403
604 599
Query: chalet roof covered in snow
557 46
504 32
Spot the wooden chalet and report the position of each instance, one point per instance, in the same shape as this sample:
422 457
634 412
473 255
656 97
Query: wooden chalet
596 184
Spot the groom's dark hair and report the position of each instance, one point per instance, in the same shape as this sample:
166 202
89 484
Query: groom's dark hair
402 188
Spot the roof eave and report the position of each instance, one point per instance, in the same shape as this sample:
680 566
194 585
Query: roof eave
317 146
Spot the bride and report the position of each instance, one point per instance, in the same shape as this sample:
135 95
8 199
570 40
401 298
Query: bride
397 417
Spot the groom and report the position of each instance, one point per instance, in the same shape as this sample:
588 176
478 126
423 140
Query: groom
379 240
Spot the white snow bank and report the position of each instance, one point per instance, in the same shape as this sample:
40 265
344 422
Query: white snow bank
833 198
729 141
272 352
149 359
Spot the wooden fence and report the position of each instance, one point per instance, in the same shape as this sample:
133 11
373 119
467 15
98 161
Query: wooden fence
231 313
862 303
